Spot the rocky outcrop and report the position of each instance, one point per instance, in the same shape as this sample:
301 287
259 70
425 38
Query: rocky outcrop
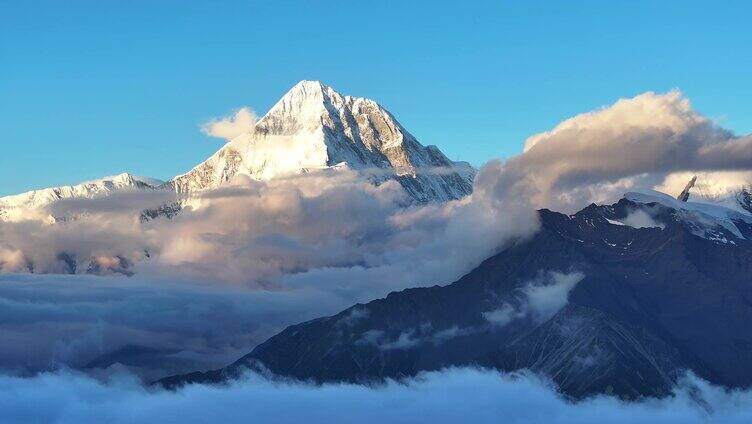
684 195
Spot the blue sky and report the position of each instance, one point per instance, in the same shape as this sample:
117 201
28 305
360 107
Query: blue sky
89 89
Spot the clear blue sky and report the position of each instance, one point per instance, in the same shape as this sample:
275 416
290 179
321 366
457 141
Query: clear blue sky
89 89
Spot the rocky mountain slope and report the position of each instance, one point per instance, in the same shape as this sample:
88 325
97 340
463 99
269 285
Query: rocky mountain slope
315 127
614 299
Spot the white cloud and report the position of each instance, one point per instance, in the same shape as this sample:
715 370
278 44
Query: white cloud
327 240
541 299
280 233
634 143
413 337
641 219
451 395
450 333
406 340
548 295
355 315
671 112
504 315
371 337
709 185
12 260
302 228
51 321
241 121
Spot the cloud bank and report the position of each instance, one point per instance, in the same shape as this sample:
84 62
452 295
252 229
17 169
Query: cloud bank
641 219
251 232
154 327
234 267
449 396
635 143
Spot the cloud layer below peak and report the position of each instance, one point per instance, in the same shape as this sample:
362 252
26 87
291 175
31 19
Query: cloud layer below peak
451 395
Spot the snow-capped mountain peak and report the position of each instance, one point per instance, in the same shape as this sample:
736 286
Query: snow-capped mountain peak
30 204
309 104
315 127
312 127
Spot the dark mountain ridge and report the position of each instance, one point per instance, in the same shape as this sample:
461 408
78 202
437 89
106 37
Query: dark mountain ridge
596 305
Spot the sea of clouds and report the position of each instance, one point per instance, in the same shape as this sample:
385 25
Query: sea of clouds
253 258
449 396
246 260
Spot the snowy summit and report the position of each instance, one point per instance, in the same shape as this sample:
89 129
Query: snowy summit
315 127
312 127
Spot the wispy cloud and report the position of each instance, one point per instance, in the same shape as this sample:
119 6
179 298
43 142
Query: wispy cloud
241 121
540 299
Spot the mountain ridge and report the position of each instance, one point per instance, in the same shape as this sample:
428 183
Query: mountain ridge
312 127
590 301
20 206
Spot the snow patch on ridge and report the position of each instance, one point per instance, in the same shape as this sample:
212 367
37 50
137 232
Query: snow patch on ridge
31 205
705 218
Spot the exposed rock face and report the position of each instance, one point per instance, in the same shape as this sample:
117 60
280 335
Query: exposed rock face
595 303
684 195
168 211
744 199
314 127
